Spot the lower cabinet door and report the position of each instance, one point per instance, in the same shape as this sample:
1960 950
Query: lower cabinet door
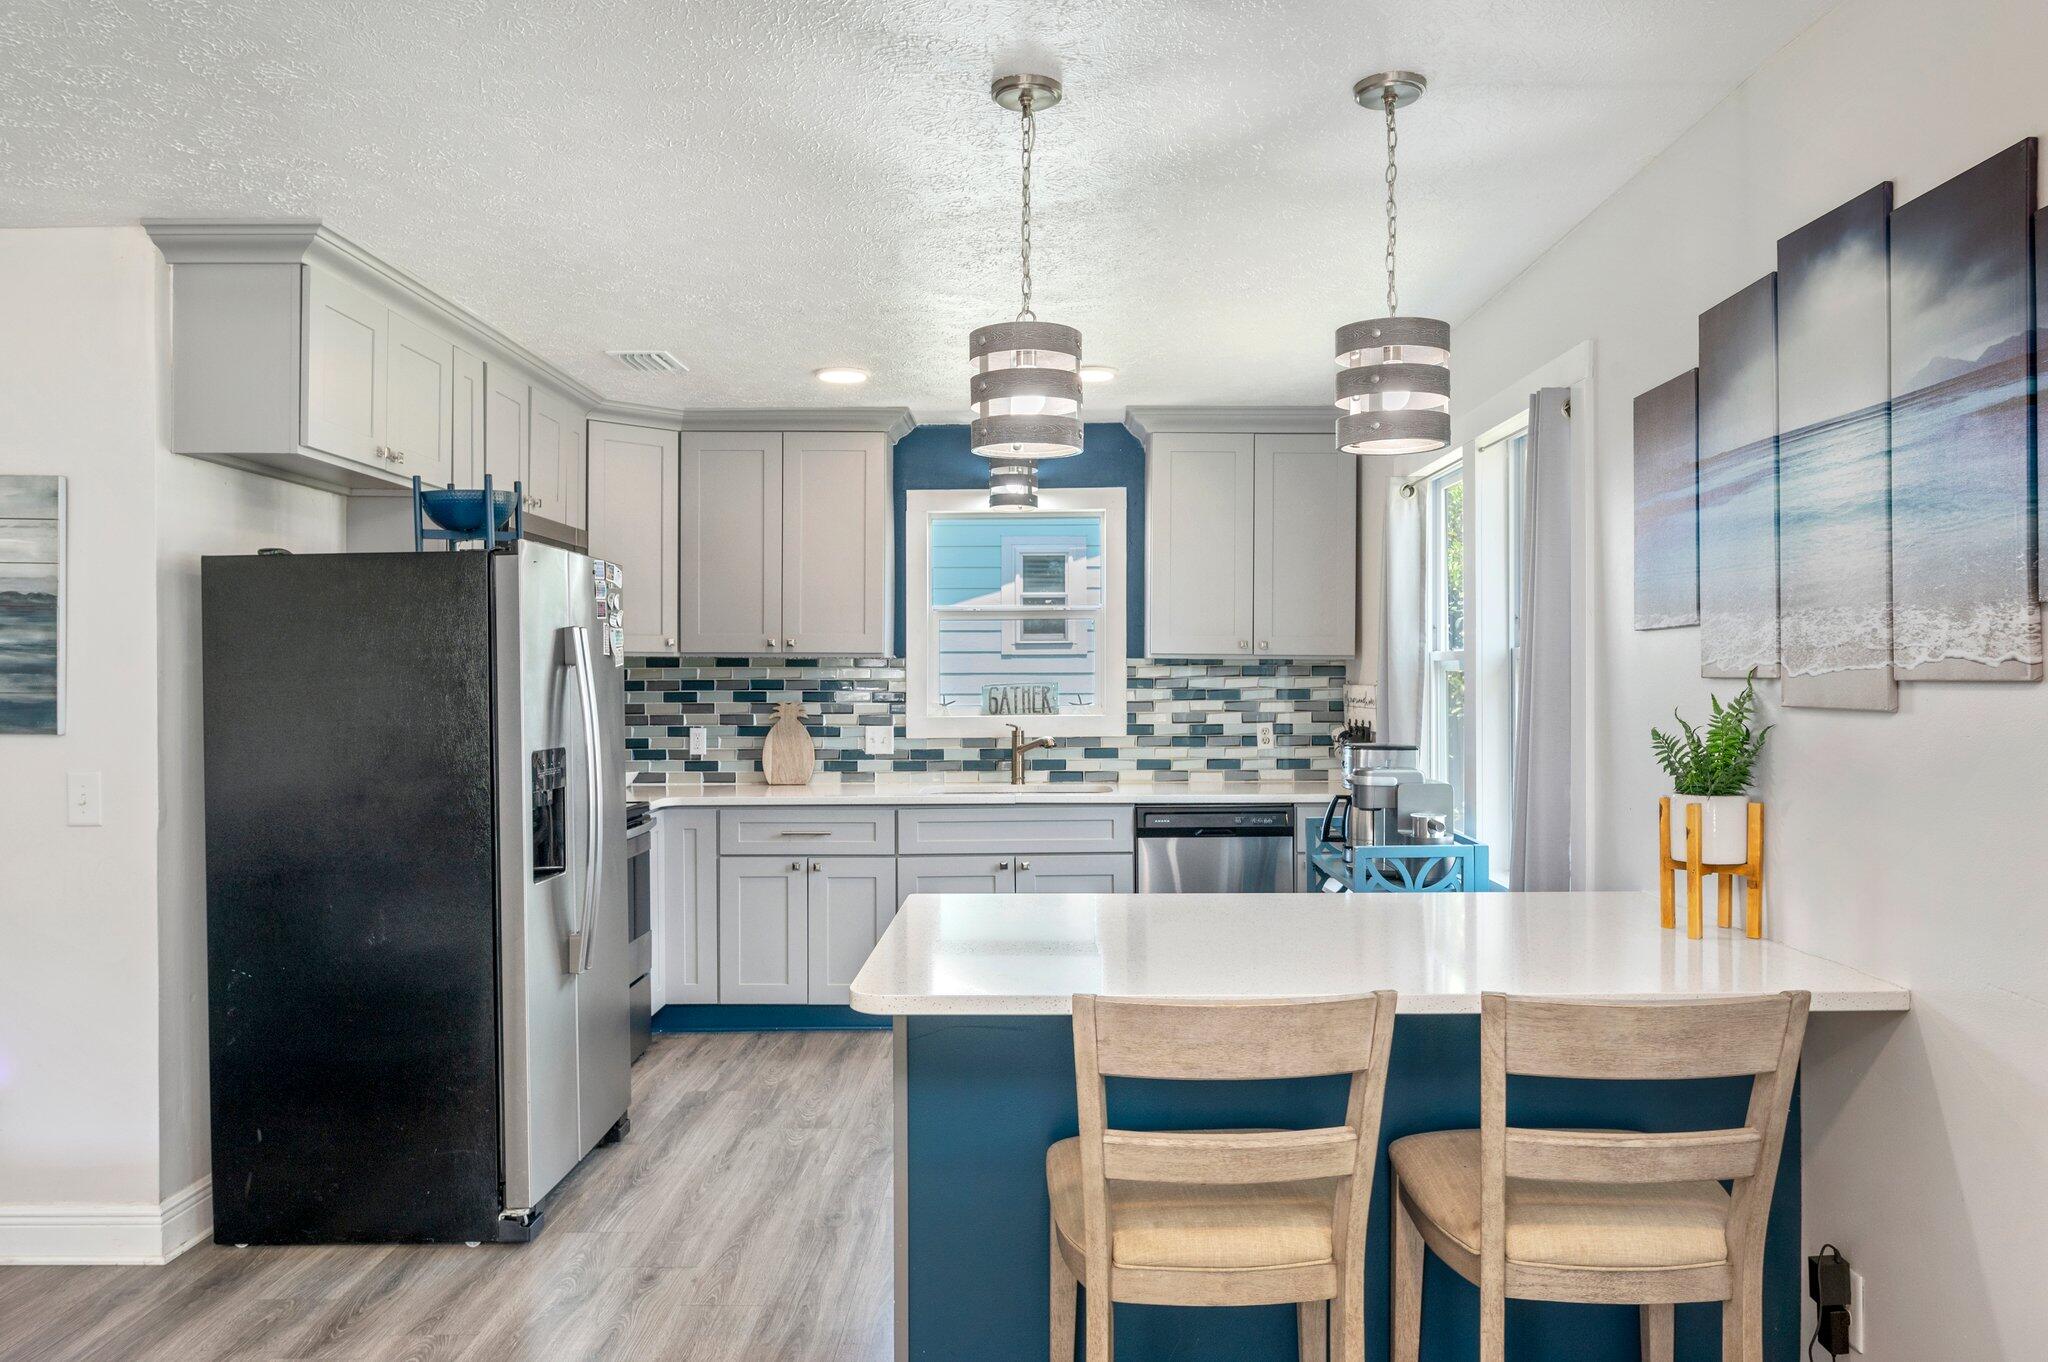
955 875
851 899
1103 874
763 930
686 905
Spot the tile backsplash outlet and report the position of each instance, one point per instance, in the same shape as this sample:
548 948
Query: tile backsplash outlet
1187 719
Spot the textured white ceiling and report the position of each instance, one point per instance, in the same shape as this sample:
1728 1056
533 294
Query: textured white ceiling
766 186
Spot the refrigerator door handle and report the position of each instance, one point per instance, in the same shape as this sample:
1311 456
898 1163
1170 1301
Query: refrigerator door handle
577 640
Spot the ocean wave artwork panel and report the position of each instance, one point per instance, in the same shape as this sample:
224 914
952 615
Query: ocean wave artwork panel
1667 504
1738 484
1963 536
1834 459
31 604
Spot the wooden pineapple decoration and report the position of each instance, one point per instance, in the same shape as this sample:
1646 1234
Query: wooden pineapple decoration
788 757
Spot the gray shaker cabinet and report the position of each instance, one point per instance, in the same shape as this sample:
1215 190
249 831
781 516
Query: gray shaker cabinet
763 930
849 901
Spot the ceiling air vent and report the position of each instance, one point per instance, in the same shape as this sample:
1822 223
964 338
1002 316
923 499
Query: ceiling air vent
650 361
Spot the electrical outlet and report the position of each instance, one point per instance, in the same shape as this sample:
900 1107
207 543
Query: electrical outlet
1858 1308
82 799
1265 737
878 740
700 742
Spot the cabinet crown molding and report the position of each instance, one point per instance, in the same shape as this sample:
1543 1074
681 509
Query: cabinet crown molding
228 241
1145 422
893 422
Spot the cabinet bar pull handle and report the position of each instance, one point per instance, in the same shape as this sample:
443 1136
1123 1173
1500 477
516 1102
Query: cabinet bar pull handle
793 833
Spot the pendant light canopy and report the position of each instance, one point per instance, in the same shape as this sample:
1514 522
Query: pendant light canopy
1394 380
1026 381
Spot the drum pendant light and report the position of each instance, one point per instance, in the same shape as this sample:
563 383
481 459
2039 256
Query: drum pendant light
1026 381
1394 384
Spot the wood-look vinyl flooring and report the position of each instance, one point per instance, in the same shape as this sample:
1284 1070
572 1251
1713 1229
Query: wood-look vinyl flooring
746 1218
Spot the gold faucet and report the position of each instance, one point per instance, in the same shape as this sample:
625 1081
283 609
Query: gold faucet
1018 747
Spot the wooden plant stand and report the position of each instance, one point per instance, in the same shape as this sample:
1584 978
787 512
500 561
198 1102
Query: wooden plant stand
1697 870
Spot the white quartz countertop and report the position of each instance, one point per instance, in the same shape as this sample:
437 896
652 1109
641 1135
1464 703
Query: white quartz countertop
1039 791
961 954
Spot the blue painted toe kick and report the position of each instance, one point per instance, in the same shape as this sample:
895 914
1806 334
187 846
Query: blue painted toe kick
677 1018
984 1096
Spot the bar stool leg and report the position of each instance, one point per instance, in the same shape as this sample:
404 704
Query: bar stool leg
1066 1298
1658 1337
1313 1321
1408 1260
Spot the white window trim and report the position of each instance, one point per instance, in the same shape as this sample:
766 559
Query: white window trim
920 638
1440 660
1014 642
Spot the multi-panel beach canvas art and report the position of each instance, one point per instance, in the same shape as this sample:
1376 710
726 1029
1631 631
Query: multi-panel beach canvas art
1963 537
1834 458
1738 382
1668 504
31 604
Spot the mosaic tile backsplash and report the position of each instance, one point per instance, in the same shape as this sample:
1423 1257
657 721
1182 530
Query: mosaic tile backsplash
1187 719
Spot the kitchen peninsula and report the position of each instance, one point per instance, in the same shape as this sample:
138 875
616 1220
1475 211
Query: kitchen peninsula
981 987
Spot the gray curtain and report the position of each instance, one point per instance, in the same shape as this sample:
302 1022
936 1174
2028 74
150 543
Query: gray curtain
1540 843
1403 612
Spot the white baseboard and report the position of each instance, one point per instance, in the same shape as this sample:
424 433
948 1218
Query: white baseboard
116 1232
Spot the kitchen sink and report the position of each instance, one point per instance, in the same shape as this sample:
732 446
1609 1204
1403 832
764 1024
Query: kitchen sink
1064 787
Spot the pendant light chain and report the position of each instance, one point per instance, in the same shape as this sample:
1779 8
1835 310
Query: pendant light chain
1393 141
1025 314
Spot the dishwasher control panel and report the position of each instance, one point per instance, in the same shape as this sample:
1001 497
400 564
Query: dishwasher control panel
1196 821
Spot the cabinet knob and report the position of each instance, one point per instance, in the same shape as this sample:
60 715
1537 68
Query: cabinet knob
1244 643
796 865
668 643
817 865
771 643
1262 645
1023 865
1002 865
789 643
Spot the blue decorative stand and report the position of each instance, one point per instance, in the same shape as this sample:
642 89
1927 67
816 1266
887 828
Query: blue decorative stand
1456 867
475 511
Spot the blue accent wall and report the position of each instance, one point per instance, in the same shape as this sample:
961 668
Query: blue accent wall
937 459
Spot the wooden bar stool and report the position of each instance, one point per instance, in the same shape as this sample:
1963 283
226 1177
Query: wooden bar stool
1219 1217
1604 1217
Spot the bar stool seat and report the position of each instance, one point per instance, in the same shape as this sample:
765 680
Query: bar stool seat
1196 1226
1563 1224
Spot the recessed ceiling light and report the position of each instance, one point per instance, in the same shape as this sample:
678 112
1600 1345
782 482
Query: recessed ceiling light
1097 373
841 373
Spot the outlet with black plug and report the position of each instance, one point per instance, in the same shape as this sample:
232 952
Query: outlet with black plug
1830 1286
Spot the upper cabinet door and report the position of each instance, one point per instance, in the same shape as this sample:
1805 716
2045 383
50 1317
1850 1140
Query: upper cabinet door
1305 580
1199 536
505 396
835 543
466 443
635 503
576 474
345 340
731 598
547 455
419 391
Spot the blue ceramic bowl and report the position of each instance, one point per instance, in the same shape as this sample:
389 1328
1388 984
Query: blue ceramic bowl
461 510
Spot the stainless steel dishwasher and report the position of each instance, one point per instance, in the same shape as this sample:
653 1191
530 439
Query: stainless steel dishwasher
1215 849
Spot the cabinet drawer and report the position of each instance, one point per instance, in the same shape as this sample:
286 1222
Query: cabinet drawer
802 832
1006 829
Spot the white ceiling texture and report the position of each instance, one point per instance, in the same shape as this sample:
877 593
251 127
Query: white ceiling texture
767 186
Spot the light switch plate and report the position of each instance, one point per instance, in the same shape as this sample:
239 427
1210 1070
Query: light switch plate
82 806
878 740
699 742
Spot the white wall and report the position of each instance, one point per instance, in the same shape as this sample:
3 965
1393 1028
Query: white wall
103 1149
1908 844
78 971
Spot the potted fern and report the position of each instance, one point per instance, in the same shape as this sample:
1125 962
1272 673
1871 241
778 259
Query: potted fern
1714 767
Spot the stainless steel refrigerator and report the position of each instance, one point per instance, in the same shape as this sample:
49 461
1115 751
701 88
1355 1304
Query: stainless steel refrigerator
416 890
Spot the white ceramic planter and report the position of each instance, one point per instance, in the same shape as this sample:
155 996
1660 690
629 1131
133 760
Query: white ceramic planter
1724 828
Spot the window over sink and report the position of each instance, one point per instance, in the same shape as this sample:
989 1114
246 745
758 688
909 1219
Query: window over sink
1015 617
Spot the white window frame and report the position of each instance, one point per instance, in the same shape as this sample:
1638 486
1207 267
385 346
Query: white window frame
1014 642
1493 525
1442 659
921 637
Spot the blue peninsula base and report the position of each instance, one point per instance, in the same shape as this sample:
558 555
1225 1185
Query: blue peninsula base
980 1098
